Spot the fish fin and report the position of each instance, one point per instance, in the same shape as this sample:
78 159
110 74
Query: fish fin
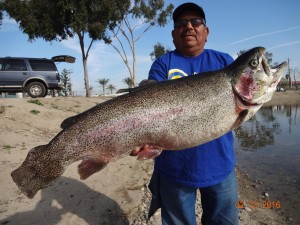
70 120
29 181
66 122
34 174
142 85
240 119
90 166
148 154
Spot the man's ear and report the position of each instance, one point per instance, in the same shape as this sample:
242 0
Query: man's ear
173 34
207 33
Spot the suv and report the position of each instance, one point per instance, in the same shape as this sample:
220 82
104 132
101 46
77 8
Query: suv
32 75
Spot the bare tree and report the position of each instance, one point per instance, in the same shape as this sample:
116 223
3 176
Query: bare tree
147 14
296 72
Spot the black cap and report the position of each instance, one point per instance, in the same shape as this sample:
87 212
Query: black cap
189 6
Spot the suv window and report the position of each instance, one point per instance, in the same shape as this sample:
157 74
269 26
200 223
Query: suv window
14 65
42 65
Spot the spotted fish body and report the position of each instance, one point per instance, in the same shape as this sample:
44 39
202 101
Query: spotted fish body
171 115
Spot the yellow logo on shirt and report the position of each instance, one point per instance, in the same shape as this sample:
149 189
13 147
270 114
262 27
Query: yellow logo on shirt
175 74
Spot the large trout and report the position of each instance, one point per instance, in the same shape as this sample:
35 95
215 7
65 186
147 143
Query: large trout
173 115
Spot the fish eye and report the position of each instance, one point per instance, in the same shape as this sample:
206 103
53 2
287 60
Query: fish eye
253 63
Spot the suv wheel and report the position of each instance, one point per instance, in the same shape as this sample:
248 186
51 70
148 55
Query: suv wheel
36 89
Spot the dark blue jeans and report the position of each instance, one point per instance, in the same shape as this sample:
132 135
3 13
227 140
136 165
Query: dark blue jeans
178 201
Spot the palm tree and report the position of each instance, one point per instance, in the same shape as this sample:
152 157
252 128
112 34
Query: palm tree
129 81
103 82
111 88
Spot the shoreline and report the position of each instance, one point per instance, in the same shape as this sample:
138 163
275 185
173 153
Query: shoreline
289 97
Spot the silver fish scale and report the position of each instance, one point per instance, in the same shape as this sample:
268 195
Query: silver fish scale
180 116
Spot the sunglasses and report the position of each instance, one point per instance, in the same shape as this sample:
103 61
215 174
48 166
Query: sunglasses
184 22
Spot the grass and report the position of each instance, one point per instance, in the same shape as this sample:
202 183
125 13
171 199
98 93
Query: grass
35 112
23 146
7 147
54 106
36 101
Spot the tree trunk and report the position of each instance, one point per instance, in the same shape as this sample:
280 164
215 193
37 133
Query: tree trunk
84 62
86 79
133 65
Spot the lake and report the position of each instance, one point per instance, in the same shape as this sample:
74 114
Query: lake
268 149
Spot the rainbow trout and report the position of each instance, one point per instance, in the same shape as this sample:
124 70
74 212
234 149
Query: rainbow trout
173 115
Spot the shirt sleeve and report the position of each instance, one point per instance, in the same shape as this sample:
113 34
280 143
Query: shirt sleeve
228 59
158 71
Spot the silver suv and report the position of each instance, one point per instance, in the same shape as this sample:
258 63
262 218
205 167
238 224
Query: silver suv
32 75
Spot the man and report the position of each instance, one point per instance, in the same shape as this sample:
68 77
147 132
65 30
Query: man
208 167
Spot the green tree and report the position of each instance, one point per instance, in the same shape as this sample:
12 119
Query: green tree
62 19
111 88
65 79
128 31
129 81
268 55
103 82
158 51
1 12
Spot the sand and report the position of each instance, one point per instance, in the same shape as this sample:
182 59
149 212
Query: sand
117 195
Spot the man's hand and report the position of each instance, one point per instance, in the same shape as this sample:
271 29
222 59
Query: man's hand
146 152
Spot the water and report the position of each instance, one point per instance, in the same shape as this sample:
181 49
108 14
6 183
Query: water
268 148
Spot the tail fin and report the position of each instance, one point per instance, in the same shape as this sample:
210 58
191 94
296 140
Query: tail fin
36 172
28 180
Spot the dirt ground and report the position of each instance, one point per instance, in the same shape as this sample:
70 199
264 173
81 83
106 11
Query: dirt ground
117 195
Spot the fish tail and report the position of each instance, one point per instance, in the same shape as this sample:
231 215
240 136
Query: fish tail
29 182
30 177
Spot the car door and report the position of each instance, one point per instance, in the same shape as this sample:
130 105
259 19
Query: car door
13 73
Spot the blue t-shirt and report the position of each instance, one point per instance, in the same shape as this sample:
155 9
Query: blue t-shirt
207 164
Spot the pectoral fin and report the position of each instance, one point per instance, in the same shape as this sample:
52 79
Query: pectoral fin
241 117
90 166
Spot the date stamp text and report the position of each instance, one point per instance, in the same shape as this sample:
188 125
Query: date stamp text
255 204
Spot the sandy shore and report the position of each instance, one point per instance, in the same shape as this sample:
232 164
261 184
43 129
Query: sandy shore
290 97
116 195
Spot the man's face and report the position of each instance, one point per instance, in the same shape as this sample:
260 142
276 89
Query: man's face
190 39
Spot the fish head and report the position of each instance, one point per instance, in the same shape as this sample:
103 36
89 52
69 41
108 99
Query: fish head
253 81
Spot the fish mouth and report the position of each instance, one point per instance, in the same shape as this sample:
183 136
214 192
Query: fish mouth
278 70
242 101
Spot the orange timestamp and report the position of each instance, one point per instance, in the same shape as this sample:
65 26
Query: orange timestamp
255 204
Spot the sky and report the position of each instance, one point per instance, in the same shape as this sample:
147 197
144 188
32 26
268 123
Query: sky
234 25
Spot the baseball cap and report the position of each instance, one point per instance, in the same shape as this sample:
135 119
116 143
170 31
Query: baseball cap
189 6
